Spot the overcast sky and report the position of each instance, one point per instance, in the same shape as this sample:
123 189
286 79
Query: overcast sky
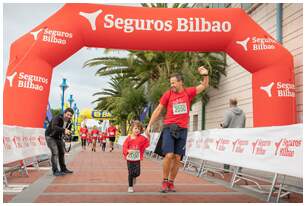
21 18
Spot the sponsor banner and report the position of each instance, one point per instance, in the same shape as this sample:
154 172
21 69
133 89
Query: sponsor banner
21 143
153 141
272 149
154 137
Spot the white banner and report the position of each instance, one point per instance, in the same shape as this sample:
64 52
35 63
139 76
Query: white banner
272 149
20 143
153 141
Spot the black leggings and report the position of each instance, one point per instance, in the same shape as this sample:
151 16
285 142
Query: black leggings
134 171
103 146
83 142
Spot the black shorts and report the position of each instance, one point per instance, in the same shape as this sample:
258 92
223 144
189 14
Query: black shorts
112 139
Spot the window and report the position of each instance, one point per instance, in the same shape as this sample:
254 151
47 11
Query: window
219 5
195 122
246 6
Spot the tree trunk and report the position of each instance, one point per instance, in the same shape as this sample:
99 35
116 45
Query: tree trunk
123 128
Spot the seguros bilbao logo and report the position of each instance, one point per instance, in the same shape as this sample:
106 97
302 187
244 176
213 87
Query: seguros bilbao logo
129 25
28 81
282 89
257 43
52 36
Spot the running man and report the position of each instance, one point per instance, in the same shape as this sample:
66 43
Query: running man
177 102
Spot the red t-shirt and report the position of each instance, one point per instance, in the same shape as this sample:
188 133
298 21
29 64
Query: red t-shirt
89 138
178 106
95 134
111 131
139 143
83 132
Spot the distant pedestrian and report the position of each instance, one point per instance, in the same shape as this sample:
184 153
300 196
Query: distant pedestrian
234 118
103 140
83 134
94 134
111 133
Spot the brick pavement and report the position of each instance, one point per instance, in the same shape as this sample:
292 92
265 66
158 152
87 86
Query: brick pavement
102 177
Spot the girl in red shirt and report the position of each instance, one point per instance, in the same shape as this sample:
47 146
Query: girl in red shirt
103 140
89 139
94 134
83 134
133 150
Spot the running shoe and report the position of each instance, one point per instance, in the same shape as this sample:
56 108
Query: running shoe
130 189
164 187
171 187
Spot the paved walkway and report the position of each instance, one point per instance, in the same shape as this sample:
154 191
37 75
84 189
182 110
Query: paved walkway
102 177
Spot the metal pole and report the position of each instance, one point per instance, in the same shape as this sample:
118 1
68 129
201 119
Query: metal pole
63 91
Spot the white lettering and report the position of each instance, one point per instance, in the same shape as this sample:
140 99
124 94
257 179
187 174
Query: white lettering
108 21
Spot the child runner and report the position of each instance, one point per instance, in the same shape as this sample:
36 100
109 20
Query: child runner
133 149
83 134
89 138
111 132
103 140
94 135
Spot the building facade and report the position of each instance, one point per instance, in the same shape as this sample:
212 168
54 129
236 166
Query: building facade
238 82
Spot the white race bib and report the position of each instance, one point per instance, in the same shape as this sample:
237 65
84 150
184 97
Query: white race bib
180 108
111 134
134 155
94 135
83 135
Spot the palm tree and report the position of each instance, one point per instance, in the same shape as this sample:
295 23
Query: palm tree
152 69
122 99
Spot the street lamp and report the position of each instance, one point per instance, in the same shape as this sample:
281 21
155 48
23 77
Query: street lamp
70 100
63 87
75 109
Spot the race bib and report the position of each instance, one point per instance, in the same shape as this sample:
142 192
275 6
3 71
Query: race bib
94 135
134 155
83 135
111 133
180 108
104 141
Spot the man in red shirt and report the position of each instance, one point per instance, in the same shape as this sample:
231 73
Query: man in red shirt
111 133
177 102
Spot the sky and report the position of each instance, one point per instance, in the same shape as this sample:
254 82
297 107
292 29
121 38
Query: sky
20 18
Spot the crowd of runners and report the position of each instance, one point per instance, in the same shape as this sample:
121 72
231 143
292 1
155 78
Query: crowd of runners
91 137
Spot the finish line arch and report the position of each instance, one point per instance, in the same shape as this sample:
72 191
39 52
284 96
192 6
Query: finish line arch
34 55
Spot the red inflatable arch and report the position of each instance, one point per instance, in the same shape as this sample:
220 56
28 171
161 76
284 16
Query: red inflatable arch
34 55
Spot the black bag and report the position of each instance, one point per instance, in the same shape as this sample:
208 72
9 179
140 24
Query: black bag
158 149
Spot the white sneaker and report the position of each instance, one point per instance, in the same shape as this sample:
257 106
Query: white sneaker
130 189
134 181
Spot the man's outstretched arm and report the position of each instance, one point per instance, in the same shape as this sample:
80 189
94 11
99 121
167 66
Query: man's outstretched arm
205 83
154 117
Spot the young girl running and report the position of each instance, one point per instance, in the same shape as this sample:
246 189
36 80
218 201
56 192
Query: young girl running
94 135
83 134
103 140
133 149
